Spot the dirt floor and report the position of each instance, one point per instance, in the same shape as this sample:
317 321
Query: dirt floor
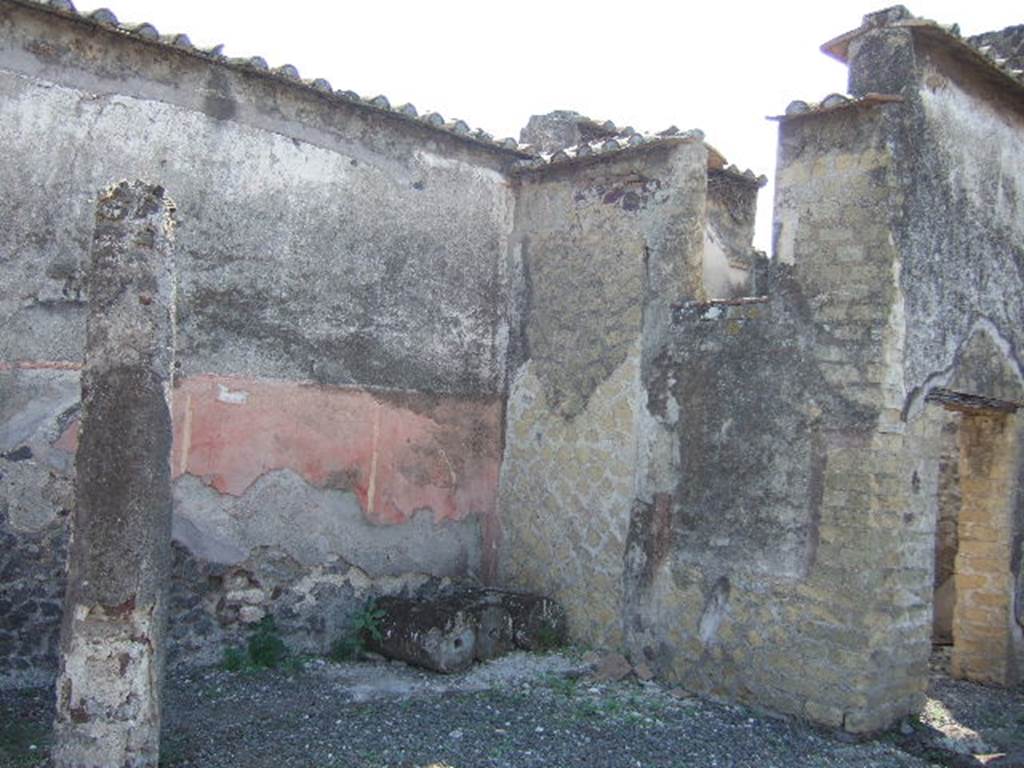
523 710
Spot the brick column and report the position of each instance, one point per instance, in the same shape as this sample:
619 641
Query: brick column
108 686
983 618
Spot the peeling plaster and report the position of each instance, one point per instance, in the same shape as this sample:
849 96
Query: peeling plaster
395 460
315 525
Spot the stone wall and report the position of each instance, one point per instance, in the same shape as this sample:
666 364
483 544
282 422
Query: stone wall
960 223
342 323
800 610
319 241
729 258
903 241
36 498
986 633
604 247
763 589
959 227
404 353
32 578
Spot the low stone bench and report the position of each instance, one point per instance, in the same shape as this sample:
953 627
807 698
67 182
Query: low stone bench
449 632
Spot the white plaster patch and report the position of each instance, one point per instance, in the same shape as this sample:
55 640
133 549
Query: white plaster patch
234 397
657 447
788 222
895 344
108 674
722 278
437 162
714 612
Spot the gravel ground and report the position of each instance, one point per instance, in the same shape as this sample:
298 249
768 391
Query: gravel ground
964 724
524 710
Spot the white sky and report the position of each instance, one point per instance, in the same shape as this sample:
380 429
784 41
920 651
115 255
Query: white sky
718 65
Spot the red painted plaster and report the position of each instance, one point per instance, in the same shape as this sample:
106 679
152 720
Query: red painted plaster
397 454
68 440
40 365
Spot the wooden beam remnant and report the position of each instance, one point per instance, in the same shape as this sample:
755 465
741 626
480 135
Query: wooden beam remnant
966 403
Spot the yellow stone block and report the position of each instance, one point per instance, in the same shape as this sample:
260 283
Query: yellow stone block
966 581
999 600
824 713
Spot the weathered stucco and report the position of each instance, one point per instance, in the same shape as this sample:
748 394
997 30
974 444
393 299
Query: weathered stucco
408 354
753 582
915 272
729 257
289 268
961 236
604 251
341 320
962 224
325 472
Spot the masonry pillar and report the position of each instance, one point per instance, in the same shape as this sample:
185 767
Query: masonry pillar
983 621
108 686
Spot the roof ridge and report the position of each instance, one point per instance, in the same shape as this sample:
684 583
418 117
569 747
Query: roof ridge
144 31
627 139
837 47
528 156
834 102
621 140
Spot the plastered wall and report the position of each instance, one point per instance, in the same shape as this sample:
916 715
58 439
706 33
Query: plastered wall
604 249
341 311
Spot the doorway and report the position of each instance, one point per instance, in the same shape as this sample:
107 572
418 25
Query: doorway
976 566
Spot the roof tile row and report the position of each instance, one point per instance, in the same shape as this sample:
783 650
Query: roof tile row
625 139
146 31
949 34
834 102
529 157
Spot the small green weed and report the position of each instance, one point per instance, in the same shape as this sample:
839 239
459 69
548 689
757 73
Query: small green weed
264 650
633 717
365 624
367 621
548 638
234 660
612 707
564 685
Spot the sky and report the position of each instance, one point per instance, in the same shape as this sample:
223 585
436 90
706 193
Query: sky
718 65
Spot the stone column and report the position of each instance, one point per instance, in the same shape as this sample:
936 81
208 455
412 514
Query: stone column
108 686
